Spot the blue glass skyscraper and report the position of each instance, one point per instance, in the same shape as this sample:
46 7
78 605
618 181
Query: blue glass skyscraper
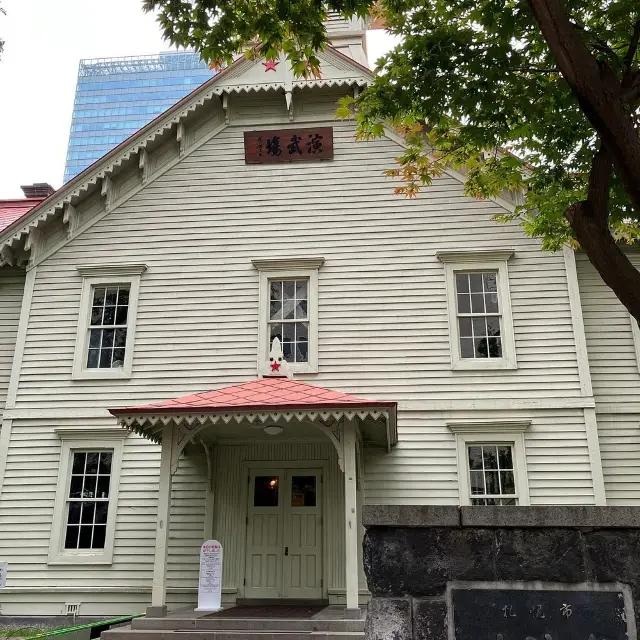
115 97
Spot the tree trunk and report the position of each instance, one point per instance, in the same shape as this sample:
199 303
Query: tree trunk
598 90
612 264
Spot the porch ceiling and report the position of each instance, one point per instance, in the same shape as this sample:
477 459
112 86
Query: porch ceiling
256 403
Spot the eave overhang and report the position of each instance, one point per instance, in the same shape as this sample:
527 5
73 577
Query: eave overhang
149 425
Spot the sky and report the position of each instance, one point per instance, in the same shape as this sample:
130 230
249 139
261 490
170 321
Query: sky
44 42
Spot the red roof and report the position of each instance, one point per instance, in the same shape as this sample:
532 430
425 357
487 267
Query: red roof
264 394
11 210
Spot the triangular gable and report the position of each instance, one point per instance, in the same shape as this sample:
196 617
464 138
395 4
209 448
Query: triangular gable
21 236
335 70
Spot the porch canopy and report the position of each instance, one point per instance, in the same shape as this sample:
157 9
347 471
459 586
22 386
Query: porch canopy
350 422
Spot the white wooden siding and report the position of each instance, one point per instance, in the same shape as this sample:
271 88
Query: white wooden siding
11 288
382 333
186 525
382 307
620 450
26 514
616 382
612 357
421 469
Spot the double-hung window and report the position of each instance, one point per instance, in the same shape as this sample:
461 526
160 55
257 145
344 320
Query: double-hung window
289 317
108 326
480 321
491 474
107 321
87 505
478 314
288 310
87 494
492 467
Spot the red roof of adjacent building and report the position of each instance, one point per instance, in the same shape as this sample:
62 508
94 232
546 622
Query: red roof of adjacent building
264 394
11 210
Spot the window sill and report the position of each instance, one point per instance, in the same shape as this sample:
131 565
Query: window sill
303 368
497 364
83 560
293 368
101 374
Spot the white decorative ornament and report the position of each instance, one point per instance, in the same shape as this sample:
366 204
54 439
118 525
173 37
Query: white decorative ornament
277 366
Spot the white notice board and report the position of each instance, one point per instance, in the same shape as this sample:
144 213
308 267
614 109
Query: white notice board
210 583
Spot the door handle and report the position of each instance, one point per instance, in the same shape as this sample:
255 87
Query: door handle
286 551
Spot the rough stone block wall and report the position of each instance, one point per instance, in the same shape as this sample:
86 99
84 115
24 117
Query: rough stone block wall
412 553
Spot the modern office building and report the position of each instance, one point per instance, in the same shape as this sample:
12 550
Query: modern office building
115 97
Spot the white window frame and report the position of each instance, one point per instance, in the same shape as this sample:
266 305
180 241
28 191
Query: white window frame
480 261
507 432
635 329
288 269
107 276
96 439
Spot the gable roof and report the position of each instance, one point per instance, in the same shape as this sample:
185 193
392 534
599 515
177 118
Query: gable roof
240 77
13 210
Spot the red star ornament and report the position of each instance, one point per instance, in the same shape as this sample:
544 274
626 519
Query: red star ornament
270 65
275 366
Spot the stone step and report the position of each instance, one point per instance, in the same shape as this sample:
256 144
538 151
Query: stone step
248 624
237 634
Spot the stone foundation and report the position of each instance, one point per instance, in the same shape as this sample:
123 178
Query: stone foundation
412 555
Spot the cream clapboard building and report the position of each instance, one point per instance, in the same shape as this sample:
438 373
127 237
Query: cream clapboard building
463 365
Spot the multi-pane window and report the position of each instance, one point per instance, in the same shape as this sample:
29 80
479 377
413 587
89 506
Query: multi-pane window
88 500
478 315
108 327
288 317
491 474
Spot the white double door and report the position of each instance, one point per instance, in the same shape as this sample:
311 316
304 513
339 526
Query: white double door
284 534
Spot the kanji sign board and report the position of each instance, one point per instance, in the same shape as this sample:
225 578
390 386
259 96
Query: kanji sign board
288 145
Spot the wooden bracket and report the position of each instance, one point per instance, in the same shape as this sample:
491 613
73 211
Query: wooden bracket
225 107
181 137
7 256
144 165
288 96
107 191
71 218
33 244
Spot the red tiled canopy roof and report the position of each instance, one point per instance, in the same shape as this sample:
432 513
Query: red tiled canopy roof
11 210
266 394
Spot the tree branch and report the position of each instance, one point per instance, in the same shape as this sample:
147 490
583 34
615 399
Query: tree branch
597 89
598 44
633 47
590 221
600 183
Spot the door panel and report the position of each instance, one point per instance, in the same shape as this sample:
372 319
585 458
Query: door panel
264 535
302 534
284 534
